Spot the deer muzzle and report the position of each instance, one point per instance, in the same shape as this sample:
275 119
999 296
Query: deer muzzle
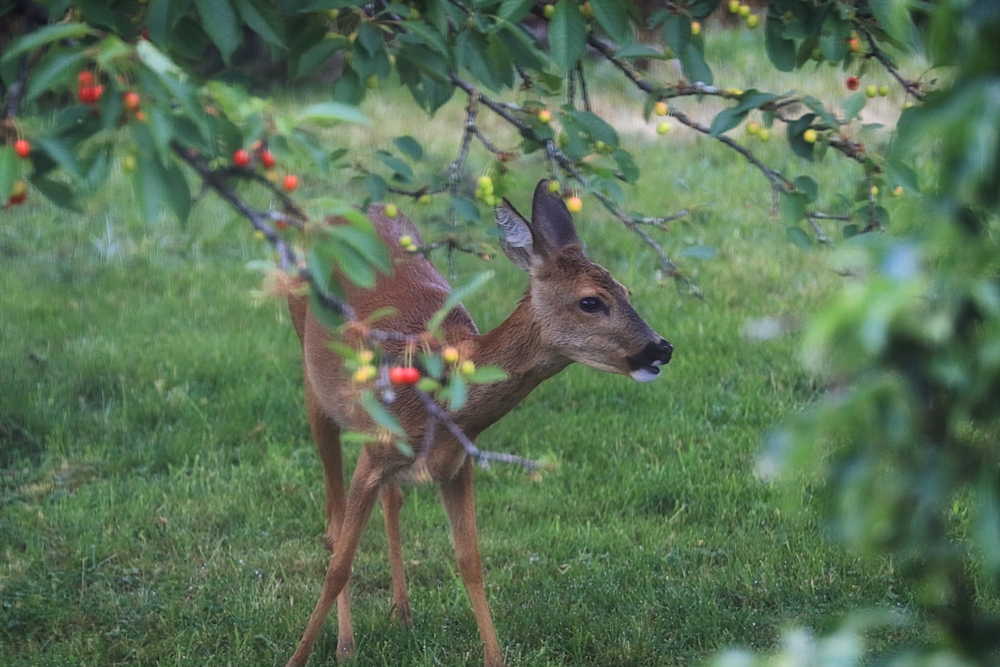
646 365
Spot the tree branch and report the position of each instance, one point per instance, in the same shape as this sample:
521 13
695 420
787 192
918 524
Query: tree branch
481 457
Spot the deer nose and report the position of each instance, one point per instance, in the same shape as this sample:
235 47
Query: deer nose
665 350
652 356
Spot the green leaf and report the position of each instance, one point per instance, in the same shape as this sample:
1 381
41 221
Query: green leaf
798 237
677 31
218 18
793 207
458 392
807 186
98 169
332 112
9 170
567 35
780 50
817 107
754 99
853 105
159 19
627 165
513 11
316 55
57 192
380 415
53 69
62 152
702 8
904 174
596 127
262 19
795 129
486 56
410 146
466 209
370 38
640 51
456 296
376 187
46 35
726 120
522 48
367 242
612 15
155 60
177 192
694 65
349 261
488 375
399 167
428 36
161 130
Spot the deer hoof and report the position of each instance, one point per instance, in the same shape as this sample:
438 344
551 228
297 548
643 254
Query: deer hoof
345 649
402 615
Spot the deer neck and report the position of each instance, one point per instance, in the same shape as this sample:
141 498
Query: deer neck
516 346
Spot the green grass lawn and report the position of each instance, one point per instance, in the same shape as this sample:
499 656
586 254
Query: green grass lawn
161 502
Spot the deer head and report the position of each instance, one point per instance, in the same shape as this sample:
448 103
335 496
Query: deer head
582 312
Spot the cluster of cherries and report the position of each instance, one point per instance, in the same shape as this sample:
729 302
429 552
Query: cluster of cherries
409 375
242 158
89 91
20 192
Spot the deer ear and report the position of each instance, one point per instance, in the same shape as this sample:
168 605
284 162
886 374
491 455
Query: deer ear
517 241
550 221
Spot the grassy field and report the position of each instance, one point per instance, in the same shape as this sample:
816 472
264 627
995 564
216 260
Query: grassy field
161 500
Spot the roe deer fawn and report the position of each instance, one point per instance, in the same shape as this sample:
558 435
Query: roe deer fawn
573 310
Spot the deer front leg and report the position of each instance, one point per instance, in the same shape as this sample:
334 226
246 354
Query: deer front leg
326 433
392 501
456 495
360 500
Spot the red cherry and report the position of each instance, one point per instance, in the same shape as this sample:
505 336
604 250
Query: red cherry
86 92
267 159
241 158
98 91
85 78
404 375
291 183
131 101
22 148
853 83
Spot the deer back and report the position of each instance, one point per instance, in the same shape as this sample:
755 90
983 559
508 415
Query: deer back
411 294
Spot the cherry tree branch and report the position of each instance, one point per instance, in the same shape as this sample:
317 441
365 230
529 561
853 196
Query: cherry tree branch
481 457
911 87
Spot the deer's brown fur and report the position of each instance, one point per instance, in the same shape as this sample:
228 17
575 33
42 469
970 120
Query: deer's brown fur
548 330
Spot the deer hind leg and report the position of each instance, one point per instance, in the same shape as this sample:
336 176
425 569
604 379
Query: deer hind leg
326 433
361 499
456 495
392 501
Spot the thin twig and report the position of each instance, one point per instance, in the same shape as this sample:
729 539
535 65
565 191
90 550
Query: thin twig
583 86
827 216
911 87
481 457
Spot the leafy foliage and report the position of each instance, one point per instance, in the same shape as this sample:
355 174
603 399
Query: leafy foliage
912 348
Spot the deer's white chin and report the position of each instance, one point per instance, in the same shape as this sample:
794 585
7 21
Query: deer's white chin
646 373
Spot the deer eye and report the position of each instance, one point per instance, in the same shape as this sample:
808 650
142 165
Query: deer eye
590 304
